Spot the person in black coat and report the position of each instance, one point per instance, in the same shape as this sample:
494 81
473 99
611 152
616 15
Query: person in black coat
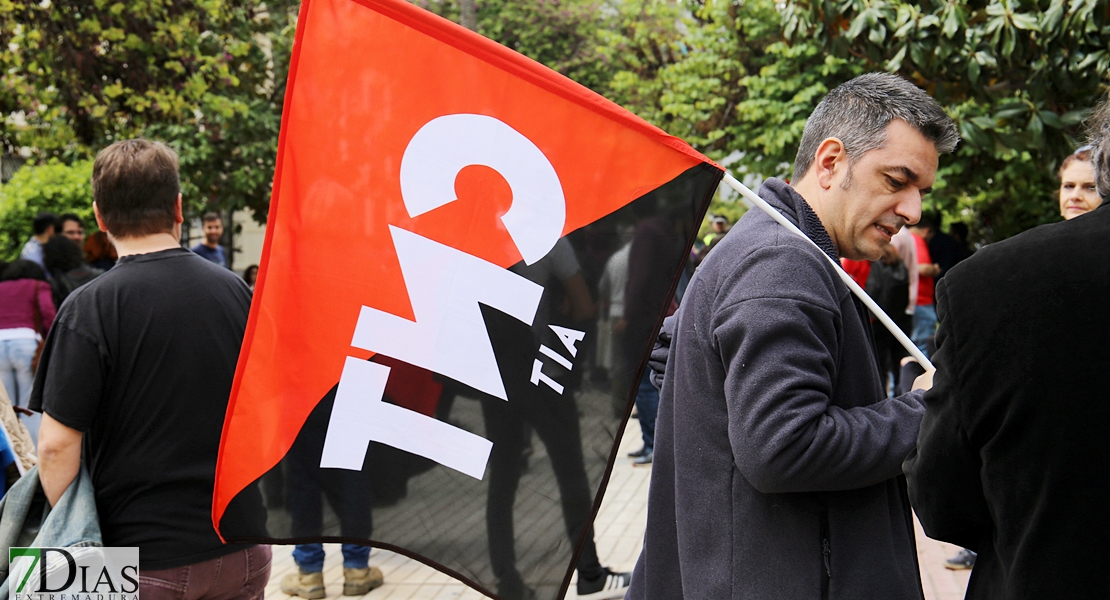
1012 459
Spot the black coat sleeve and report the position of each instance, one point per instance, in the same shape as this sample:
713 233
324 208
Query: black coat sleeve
943 472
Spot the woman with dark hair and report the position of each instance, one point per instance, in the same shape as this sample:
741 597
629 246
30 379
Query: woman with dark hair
67 268
26 313
100 252
250 275
1078 193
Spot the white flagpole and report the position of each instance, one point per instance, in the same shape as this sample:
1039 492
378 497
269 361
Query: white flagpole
751 199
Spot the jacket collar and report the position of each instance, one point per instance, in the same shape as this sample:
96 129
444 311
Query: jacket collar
790 203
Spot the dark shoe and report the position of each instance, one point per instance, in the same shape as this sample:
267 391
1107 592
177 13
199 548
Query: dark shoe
305 585
359 582
964 559
608 585
644 460
637 454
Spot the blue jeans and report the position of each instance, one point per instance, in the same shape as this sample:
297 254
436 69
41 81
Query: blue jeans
16 375
924 326
647 405
310 557
15 368
348 493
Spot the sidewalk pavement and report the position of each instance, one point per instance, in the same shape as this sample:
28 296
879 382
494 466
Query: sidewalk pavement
619 531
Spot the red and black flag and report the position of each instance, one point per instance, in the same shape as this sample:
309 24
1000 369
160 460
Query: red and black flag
466 259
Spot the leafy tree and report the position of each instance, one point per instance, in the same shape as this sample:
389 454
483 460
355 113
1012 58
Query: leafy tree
564 35
721 76
54 187
206 76
1018 78
738 80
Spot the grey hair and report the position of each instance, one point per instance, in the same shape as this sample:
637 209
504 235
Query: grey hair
1099 135
858 111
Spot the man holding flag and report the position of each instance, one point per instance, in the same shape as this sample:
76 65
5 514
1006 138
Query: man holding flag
778 459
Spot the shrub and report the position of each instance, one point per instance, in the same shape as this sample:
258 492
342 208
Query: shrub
53 187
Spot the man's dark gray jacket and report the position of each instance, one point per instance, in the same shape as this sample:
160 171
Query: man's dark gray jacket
777 468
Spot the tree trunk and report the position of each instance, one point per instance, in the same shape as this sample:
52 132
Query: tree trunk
468 14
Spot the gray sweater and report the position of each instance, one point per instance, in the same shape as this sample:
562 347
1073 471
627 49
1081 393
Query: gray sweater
777 468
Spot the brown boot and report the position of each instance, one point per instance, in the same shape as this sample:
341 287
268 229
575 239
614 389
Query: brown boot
305 585
357 582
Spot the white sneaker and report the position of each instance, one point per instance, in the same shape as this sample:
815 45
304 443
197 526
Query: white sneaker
609 585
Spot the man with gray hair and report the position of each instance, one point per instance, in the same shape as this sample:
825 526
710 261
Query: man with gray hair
778 458
1012 460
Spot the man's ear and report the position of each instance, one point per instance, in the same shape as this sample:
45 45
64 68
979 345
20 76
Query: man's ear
177 216
99 219
830 160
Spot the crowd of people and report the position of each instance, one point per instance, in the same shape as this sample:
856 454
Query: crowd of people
57 259
777 413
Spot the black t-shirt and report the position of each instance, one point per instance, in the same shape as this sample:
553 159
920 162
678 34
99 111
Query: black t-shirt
141 361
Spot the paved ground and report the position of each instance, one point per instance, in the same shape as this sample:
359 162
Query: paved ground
619 533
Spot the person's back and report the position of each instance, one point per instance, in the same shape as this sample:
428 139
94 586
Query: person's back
26 314
167 327
65 282
135 377
66 266
1026 337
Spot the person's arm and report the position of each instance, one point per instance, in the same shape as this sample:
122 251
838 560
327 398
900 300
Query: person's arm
59 457
67 390
45 298
943 471
779 343
660 352
930 270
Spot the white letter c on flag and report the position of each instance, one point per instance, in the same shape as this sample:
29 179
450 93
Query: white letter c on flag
444 145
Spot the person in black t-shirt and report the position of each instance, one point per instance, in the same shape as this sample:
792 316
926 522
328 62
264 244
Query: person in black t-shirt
137 371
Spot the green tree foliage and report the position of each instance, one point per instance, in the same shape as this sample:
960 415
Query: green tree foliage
565 35
562 34
738 80
206 76
720 76
1018 77
735 79
54 187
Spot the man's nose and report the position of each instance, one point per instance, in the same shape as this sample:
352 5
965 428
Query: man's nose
909 206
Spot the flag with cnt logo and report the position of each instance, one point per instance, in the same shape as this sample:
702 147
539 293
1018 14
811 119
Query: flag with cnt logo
467 257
